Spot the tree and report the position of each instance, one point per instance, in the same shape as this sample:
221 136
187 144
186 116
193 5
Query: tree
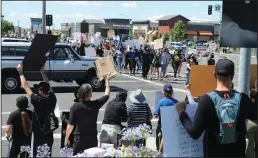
6 27
131 33
166 38
179 32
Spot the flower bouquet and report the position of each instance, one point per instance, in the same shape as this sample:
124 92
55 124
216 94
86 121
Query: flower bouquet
136 136
43 151
25 149
66 152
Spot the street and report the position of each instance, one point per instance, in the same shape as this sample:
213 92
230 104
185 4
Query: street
65 96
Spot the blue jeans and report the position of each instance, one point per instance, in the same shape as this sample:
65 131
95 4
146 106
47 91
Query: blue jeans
119 62
139 65
187 78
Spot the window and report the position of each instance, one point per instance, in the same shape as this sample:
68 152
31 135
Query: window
13 40
60 54
21 51
8 51
70 53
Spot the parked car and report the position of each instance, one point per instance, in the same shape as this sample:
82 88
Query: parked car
14 40
64 65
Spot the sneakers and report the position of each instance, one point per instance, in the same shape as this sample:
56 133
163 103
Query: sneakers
159 154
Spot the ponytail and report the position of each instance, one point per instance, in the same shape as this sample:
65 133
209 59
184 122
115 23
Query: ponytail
26 123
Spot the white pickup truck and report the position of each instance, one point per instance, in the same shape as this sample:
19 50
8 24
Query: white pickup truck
63 65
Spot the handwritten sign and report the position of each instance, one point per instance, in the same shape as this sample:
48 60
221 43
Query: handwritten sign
176 141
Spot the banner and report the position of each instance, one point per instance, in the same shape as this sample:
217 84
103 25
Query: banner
176 140
202 79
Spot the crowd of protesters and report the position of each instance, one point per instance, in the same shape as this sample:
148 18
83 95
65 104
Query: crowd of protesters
221 139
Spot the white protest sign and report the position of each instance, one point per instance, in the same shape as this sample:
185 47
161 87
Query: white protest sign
129 42
91 52
203 61
176 141
141 40
158 45
168 44
212 47
137 44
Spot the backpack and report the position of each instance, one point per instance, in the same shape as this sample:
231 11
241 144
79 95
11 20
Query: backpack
227 110
51 122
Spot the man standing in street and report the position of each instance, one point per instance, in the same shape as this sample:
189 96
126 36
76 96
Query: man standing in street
221 115
44 101
146 62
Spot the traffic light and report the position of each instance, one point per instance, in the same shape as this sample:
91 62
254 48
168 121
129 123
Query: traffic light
49 20
209 9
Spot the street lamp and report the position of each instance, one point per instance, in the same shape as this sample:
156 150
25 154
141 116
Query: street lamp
2 17
129 22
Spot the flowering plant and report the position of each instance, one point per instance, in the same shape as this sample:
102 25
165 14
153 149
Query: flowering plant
111 152
26 149
66 152
137 133
43 151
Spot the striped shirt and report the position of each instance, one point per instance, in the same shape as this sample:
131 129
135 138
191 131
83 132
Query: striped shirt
138 114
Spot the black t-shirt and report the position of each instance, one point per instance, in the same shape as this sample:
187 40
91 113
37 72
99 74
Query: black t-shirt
206 120
115 112
18 136
211 62
41 106
84 115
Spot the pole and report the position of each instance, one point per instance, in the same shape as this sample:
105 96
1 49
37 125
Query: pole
244 70
18 29
44 16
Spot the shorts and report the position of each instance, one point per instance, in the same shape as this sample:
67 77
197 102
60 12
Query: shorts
156 65
109 133
163 68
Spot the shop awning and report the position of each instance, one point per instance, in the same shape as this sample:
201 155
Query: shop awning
154 32
191 32
149 32
205 33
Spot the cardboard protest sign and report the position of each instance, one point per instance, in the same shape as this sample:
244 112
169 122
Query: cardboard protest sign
253 75
38 52
158 44
202 79
105 66
176 140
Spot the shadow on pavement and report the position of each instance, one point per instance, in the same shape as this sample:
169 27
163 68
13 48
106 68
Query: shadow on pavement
66 89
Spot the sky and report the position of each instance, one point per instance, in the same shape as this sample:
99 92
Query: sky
76 11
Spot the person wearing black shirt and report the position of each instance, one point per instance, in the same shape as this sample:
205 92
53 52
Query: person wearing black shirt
84 116
115 113
82 48
206 119
176 61
100 52
44 100
146 62
19 128
211 60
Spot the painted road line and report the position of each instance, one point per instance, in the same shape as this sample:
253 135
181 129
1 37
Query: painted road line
124 81
98 122
155 83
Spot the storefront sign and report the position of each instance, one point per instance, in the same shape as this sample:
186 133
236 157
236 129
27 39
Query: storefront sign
118 25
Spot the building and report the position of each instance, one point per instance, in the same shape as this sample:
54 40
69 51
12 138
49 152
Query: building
166 23
36 25
203 30
120 26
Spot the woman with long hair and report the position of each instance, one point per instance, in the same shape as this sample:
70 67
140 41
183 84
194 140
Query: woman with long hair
18 128
156 63
115 113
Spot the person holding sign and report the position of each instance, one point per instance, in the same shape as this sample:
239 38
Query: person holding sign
168 100
84 115
221 115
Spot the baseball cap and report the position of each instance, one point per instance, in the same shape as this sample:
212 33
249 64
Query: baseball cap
224 67
168 87
22 102
44 86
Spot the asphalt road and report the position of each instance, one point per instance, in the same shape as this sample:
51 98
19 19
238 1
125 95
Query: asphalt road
64 93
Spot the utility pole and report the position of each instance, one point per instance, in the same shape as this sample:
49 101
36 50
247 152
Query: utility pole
244 70
44 16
